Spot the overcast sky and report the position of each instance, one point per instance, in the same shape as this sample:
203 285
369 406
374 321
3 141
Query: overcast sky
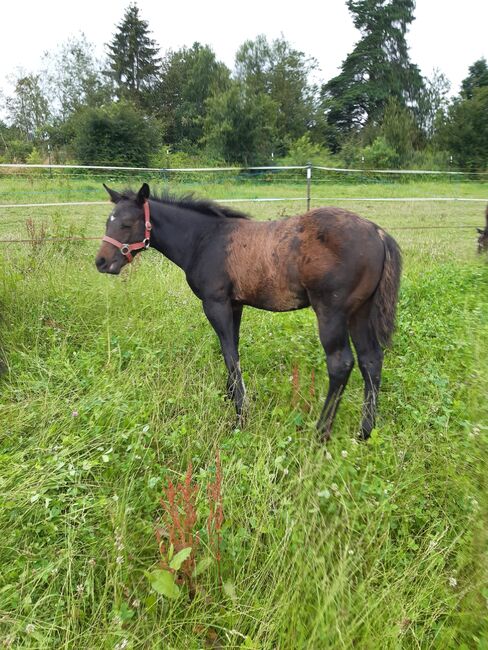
447 34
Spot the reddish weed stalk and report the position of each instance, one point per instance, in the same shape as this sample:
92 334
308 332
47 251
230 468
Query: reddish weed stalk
180 519
37 233
296 398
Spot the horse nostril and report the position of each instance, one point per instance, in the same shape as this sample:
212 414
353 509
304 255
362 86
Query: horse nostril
100 262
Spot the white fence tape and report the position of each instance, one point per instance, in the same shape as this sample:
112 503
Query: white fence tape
336 199
241 169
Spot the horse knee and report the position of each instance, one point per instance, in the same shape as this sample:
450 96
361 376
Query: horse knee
371 366
340 364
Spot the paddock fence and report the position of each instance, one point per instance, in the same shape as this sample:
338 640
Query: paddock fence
27 188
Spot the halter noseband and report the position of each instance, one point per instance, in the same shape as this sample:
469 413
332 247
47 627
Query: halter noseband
126 249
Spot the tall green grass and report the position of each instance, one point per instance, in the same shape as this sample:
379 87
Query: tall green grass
113 385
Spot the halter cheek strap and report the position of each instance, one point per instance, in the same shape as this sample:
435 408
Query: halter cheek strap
126 249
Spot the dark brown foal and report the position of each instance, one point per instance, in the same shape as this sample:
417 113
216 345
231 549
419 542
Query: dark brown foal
345 267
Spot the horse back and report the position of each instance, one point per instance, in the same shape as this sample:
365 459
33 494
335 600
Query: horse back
278 265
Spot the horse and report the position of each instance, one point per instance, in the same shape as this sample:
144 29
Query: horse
483 235
345 267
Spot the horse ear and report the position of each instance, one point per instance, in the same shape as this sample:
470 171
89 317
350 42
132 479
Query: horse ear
143 194
114 196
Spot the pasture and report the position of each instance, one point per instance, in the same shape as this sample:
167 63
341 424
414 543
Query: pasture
105 395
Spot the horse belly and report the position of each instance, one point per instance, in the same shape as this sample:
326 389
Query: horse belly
263 265
272 299
273 292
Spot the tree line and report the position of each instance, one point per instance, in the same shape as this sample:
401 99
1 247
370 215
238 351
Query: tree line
140 107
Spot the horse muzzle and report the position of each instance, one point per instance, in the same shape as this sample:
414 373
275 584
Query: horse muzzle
111 265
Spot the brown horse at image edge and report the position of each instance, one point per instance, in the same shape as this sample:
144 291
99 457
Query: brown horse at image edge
345 267
483 235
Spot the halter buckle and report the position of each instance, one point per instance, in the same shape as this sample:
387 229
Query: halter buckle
124 249
146 242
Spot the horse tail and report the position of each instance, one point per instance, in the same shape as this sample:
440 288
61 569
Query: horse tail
386 295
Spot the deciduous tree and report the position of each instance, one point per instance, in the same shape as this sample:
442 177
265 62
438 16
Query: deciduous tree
282 73
466 131
73 78
477 78
189 77
240 126
27 108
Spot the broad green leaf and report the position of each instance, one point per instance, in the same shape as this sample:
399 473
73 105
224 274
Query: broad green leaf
202 565
150 601
125 613
163 583
230 590
179 558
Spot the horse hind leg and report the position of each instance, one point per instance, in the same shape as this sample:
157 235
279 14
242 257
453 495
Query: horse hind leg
334 337
370 361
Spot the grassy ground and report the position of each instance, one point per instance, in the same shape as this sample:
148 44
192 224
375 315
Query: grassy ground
114 385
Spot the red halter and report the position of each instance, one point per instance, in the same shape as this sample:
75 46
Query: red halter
126 249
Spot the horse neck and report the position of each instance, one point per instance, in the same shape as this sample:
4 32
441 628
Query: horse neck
176 232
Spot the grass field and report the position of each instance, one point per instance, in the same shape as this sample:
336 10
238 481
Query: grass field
114 385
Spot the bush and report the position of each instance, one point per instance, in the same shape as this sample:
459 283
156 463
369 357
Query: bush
166 158
378 155
35 157
303 151
17 151
117 135
466 131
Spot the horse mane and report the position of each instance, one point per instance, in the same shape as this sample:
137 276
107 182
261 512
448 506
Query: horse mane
190 202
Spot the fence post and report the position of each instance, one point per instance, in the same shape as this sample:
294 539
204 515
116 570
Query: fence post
309 183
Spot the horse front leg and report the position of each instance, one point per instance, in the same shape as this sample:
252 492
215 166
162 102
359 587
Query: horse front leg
225 319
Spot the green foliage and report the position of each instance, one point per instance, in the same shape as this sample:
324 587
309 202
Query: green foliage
376 70
379 155
378 110
240 127
399 130
74 78
27 108
279 71
35 157
303 151
15 150
133 58
477 78
163 583
117 135
165 157
465 133
189 77
433 103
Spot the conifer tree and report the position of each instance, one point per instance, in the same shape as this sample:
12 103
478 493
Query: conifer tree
377 69
133 57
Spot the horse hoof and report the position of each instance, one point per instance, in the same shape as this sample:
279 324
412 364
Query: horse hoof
364 435
324 436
